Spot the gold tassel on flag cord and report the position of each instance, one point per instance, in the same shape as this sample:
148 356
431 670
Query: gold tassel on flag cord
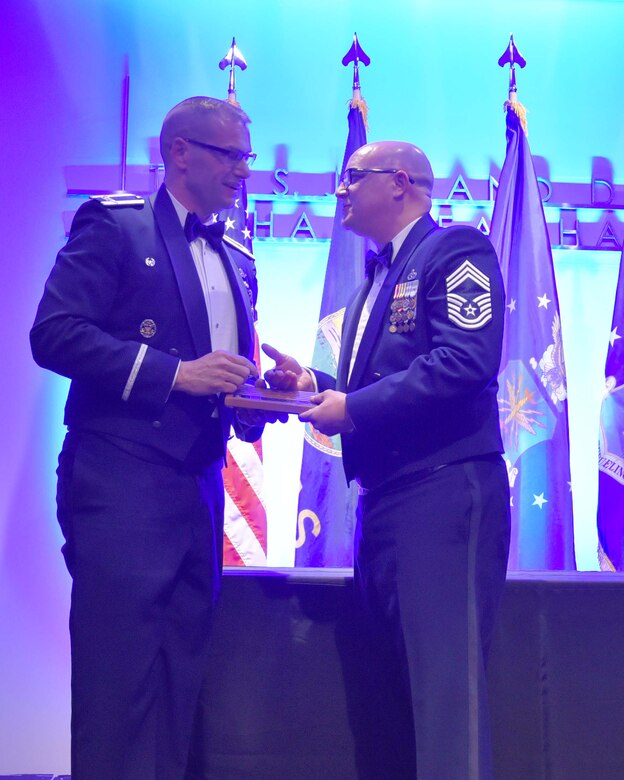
360 103
520 111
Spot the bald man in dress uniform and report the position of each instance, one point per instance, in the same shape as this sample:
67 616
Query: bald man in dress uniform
415 403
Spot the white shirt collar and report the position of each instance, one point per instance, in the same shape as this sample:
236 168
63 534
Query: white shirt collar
397 241
181 210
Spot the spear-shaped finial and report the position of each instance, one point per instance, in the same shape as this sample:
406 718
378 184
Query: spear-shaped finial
233 58
512 57
356 54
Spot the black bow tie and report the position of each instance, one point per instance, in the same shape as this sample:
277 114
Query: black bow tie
373 259
194 228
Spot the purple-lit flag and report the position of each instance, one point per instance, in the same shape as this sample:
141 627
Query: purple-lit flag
326 513
532 393
611 444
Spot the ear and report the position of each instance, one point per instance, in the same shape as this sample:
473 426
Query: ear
400 183
179 153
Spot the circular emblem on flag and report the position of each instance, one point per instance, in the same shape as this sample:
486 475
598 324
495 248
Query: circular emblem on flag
147 329
325 358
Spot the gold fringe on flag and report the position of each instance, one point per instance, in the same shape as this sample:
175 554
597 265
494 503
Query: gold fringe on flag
520 111
604 560
361 104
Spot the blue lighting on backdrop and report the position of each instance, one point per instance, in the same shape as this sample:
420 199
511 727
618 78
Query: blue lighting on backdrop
433 80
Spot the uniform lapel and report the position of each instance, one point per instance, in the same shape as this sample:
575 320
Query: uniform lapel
242 302
349 329
184 269
375 323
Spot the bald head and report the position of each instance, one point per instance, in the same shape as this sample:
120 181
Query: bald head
402 156
195 116
392 190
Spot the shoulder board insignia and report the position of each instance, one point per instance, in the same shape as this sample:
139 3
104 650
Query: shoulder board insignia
240 247
114 199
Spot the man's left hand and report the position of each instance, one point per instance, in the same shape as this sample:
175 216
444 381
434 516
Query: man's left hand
330 416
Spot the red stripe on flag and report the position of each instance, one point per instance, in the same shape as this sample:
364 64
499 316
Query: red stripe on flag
245 498
230 556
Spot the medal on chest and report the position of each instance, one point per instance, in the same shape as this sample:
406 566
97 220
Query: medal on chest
403 307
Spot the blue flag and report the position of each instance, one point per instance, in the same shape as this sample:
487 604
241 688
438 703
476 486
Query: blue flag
532 393
326 513
611 444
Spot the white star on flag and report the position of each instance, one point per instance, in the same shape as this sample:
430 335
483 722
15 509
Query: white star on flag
246 233
539 500
614 336
512 305
543 301
229 224
236 203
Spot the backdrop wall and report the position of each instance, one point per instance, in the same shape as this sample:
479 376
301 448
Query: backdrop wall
433 80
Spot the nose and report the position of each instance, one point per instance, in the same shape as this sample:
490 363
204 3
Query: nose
341 190
242 169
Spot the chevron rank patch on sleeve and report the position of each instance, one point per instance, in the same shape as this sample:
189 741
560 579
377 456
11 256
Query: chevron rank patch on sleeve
468 297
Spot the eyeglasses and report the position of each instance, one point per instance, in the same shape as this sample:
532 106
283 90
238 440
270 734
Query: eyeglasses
353 175
233 155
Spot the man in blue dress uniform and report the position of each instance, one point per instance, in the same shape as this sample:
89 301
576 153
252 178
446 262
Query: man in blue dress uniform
415 402
149 311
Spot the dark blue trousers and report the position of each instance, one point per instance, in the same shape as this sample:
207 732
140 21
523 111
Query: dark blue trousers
143 546
431 557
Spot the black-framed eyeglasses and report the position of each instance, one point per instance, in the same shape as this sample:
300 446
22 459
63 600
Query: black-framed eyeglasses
353 175
233 155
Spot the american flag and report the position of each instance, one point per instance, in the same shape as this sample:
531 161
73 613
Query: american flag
245 529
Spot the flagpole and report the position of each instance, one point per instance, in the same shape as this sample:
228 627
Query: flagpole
532 394
245 519
512 57
233 59
125 103
357 55
326 506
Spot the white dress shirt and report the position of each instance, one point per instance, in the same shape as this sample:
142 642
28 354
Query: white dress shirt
380 276
216 288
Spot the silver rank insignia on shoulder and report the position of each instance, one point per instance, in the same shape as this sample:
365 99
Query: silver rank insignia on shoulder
468 297
150 262
147 329
113 199
403 307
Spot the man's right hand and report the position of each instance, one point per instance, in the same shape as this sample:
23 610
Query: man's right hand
287 374
216 372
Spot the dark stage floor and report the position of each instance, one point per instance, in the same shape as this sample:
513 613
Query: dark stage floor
278 697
